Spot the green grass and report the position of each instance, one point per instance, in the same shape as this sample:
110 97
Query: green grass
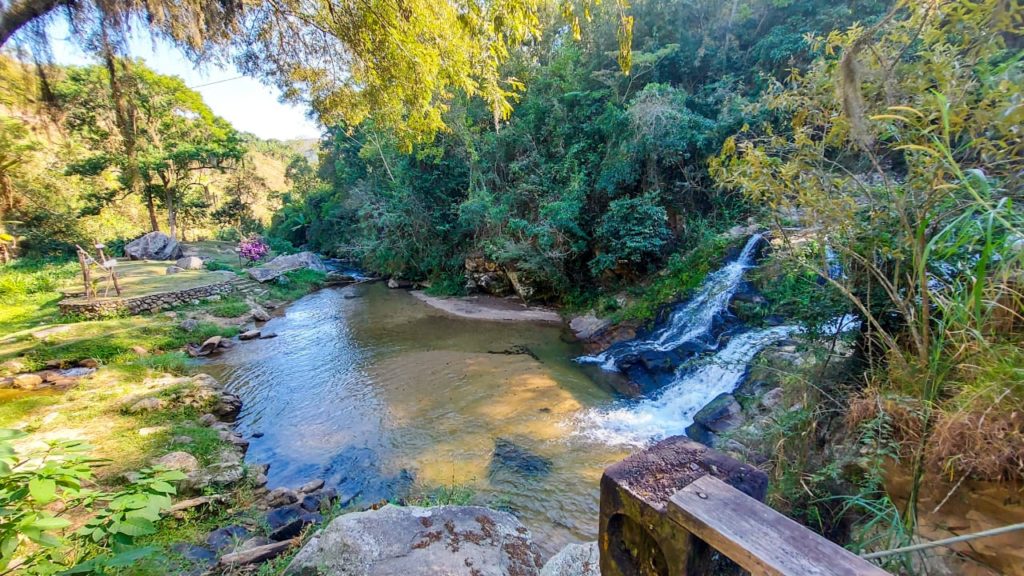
228 307
14 405
300 283
30 291
95 409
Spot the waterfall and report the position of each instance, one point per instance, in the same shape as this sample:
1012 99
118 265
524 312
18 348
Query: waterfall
691 385
672 411
692 320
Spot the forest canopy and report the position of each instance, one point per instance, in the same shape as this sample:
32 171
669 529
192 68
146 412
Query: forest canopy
400 62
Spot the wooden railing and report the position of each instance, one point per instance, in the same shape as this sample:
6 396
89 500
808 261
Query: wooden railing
680 508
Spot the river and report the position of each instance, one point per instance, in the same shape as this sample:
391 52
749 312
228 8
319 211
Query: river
379 394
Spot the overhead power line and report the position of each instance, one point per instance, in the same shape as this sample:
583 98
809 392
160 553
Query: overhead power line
216 82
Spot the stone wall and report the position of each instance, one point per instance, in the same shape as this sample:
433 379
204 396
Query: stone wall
137 305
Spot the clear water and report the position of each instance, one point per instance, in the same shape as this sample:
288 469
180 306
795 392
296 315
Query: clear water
376 393
371 389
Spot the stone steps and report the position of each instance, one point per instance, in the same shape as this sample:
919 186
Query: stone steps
247 287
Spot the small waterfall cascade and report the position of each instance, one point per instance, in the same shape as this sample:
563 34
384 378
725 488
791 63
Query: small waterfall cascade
672 410
692 321
688 385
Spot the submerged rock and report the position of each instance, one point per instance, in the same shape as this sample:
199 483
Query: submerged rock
511 457
413 541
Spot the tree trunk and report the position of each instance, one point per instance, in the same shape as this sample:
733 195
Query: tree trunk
151 207
172 212
124 118
14 17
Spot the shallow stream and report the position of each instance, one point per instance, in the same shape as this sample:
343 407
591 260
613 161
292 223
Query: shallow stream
375 392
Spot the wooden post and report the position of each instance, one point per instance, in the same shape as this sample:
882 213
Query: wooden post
759 539
680 508
636 536
86 275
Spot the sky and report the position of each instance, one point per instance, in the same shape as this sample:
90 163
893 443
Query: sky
248 104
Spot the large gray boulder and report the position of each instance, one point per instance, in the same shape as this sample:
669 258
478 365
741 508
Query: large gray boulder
286 263
153 246
588 326
413 541
575 560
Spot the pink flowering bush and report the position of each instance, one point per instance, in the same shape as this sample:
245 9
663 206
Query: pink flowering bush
253 249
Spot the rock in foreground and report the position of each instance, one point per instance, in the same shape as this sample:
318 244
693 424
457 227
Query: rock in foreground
412 541
153 246
286 263
575 560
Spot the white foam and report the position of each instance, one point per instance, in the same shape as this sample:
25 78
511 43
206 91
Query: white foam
690 321
672 411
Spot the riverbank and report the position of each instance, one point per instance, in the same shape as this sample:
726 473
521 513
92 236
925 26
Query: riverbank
125 388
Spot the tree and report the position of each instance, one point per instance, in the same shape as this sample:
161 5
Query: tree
179 137
399 62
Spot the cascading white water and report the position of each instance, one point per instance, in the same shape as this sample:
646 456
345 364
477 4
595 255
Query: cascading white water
690 321
672 411
694 384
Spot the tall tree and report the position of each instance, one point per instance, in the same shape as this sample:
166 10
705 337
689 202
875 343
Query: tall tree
176 137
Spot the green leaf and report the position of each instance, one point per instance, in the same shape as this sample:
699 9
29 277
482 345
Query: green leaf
44 490
161 486
50 523
135 527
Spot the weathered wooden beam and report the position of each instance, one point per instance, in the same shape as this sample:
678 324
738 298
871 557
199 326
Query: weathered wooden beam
758 538
636 537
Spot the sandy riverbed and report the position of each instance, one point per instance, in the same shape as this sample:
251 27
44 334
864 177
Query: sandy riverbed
489 308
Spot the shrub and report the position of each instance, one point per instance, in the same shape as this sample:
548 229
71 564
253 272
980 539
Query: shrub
253 249
634 230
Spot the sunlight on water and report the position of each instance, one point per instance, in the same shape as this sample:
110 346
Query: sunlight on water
365 387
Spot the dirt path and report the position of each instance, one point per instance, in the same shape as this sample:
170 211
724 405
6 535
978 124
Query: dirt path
489 308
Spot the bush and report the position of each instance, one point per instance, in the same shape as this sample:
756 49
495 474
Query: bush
229 234
253 249
281 246
633 231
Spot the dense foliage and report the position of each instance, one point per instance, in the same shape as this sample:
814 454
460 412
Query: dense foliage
597 175
909 179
